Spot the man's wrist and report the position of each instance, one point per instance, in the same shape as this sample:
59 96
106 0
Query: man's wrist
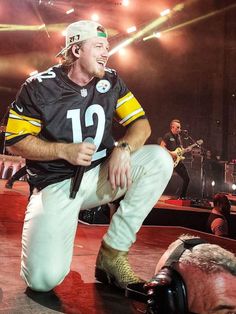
123 145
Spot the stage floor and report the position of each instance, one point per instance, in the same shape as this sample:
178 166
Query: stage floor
79 293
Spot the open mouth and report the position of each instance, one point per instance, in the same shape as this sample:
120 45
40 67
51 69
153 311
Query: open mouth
101 63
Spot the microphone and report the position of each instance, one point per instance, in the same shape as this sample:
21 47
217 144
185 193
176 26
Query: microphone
75 184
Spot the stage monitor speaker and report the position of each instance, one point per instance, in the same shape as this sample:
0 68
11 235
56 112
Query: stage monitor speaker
195 173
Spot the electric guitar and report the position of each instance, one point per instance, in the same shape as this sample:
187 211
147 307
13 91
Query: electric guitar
181 151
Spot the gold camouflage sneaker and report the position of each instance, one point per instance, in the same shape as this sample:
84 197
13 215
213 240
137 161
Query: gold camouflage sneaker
112 267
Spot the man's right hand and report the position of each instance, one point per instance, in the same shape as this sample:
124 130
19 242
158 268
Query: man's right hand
173 155
78 154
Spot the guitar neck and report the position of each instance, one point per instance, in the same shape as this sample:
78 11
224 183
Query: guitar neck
189 148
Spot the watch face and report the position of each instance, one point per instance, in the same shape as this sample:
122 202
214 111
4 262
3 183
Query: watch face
123 145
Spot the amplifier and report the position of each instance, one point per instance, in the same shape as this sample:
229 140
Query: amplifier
230 173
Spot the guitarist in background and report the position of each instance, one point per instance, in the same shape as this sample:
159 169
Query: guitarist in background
171 141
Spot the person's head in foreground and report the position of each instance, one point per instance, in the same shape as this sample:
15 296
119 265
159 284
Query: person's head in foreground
202 276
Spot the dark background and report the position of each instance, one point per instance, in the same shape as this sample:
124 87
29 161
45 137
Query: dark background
189 73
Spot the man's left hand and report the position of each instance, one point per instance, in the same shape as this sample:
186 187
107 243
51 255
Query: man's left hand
119 168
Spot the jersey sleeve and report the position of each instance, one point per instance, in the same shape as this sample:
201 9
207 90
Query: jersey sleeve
24 116
128 109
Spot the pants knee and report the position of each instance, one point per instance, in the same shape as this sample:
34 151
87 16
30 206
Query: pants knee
43 281
162 160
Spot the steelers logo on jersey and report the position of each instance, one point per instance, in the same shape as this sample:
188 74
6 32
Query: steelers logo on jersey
103 86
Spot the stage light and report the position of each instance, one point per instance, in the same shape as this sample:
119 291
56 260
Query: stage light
177 8
157 35
122 52
213 183
70 11
95 17
165 12
233 186
41 26
125 3
33 73
131 29
195 20
154 24
139 34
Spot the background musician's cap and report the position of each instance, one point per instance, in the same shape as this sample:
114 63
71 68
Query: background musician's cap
82 30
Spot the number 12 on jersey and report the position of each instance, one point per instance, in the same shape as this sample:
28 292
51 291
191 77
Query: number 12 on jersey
92 110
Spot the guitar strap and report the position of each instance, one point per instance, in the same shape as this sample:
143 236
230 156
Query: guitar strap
180 141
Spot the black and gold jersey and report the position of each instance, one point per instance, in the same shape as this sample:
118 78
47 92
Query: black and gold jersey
52 107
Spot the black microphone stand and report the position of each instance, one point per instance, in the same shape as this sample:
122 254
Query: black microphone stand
202 176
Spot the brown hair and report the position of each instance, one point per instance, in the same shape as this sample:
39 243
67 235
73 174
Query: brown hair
69 58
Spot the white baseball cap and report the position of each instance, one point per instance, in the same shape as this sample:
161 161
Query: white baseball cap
82 30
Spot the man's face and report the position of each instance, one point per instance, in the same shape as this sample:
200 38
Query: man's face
175 128
93 56
208 154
